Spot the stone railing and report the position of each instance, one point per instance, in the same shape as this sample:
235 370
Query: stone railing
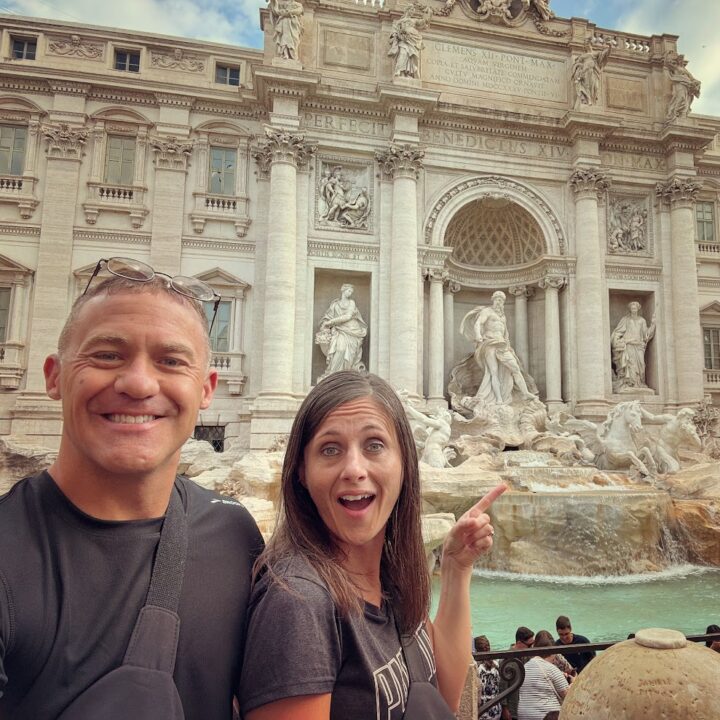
708 248
12 365
230 369
221 204
115 198
711 377
11 184
629 43
226 208
110 193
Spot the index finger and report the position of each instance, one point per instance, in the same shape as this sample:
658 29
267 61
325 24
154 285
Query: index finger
488 499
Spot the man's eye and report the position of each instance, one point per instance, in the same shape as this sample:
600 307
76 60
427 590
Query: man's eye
106 356
172 362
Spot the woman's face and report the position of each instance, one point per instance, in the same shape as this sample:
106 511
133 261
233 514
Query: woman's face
352 468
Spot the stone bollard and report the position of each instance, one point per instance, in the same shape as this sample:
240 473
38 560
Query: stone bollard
658 674
469 699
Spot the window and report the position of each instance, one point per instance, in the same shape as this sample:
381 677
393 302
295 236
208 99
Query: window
127 60
226 75
214 434
120 160
24 48
223 162
705 214
4 312
12 149
711 341
220 335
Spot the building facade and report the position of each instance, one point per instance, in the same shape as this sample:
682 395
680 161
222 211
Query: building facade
426 156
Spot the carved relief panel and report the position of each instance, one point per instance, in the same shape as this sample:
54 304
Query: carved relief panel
343 195
629 225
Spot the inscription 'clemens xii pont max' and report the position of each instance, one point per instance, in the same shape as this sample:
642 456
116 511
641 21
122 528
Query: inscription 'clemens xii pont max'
507 73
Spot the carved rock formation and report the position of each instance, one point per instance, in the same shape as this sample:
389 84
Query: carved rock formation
19 458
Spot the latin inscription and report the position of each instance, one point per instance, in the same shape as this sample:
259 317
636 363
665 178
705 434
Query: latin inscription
489 143
475 68
632 161
625 94
354 126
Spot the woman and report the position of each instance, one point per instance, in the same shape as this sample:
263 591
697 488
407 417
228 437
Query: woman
544 687
488 680
558 660
345 575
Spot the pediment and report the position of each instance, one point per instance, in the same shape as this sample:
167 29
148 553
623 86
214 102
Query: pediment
218 277
7 265
711 310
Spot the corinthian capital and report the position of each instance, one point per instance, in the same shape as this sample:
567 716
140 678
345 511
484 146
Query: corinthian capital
555 282
171 153
589 180
678 190
282 146
401 160
64 141
521 290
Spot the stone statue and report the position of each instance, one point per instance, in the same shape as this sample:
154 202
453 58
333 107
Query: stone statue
628 227
685 88
432 433
502 373
676 430
337 205
287 20
355 214
406 40
341 334
586 74
495 8
542 7
629 340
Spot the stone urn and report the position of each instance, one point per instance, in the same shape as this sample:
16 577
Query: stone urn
658 674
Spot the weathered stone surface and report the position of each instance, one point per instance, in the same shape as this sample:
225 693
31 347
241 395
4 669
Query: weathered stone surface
256 474
263 511
19 458
656 675
435 528
212 479
198 456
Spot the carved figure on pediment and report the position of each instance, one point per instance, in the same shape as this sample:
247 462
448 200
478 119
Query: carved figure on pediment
628 227
177 61
341 333
287 20
406 40
586 74
495 8
685 88
494 360
629 340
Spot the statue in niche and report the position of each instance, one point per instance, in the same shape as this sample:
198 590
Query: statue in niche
586 75
340 204
341 334
628 341
628 227
685 88
287 20
431 433
406 40
494 358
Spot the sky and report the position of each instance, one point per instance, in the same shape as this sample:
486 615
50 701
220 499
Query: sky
238 22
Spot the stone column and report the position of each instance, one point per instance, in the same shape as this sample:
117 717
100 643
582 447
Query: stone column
450 287
680 193
589 184
171 165
436 335
403 164
553 359
521 294
281 152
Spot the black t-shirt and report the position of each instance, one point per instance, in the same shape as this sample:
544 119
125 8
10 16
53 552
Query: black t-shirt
297 644
580 659
71 588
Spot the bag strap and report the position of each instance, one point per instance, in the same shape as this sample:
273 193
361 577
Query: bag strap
154 639
411 653
547 677
169 566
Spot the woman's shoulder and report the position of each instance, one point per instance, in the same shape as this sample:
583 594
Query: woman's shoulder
293 574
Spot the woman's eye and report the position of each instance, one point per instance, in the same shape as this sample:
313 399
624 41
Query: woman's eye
330 451
375 446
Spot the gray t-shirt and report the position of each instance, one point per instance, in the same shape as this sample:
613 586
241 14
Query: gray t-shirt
297 644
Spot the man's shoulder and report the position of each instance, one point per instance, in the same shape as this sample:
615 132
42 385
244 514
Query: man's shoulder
579 639
22 501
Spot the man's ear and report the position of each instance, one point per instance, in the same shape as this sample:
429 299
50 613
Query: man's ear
208 390
51 370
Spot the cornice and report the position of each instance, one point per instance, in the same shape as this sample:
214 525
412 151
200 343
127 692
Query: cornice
407 100
589 125
217 107
174 100
108 236
270 81
120 95
628 271
316 104
16 229
68 87
686 138
24 84
547 266
237 247
521 133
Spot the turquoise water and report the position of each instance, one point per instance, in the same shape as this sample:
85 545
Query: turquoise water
685 598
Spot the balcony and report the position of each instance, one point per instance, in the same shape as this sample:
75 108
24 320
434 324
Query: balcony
230 369
103 197
711 379
225 208
19 190
12 365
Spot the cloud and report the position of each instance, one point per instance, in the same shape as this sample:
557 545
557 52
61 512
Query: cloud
235 23
696 22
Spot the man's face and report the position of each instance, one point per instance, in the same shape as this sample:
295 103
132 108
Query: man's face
565 635
131 380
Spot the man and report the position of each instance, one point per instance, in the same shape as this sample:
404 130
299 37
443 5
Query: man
78 541
524 640
487 327
579 659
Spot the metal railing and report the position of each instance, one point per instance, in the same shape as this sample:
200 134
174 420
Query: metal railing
512 670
